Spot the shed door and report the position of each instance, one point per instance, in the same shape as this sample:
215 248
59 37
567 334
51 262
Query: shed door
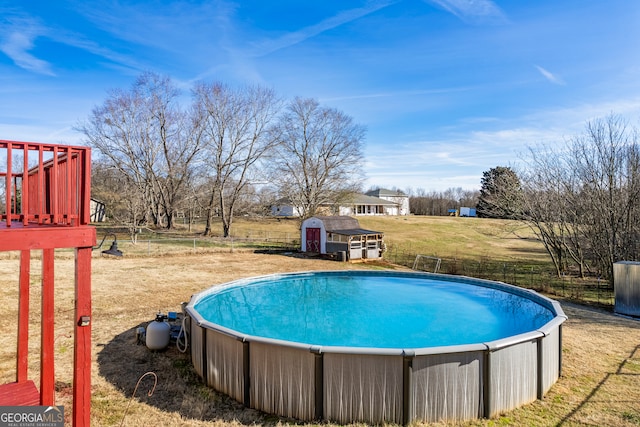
313 240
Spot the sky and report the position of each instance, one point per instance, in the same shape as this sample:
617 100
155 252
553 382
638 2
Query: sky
447 89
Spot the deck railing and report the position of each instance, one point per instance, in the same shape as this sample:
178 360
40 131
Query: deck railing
44 184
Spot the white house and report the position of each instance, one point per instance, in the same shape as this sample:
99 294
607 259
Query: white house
396 196
361 204
390 203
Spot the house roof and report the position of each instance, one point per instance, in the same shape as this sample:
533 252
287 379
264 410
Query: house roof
354 199
363 199
387 193
283 201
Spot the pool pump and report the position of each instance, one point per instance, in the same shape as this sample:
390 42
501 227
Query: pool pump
164 329
158 333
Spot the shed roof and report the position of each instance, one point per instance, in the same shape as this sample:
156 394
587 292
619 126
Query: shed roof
355 232
342 224
338 222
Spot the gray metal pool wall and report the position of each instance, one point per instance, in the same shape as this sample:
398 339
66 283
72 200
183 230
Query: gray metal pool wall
373 385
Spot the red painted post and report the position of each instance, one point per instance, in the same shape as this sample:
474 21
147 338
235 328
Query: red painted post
41 187
82 341
54 191
85 187
7 188
74 188
23 317
47 378
25 185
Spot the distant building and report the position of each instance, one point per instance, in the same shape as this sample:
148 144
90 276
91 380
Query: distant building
361 204
377 202
395 196
467 211
284 207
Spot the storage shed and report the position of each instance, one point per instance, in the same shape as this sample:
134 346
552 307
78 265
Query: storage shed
626 284
340 235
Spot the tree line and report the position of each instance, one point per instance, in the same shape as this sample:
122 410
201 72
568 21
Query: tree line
439 203
156 160
581 197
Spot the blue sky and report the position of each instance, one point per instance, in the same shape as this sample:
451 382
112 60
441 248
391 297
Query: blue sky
446 88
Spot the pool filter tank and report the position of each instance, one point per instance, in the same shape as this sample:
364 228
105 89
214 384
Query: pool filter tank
158 333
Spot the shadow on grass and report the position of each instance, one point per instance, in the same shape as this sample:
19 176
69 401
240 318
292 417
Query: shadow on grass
179 389
608 376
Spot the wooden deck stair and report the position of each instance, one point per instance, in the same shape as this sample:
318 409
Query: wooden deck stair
19 394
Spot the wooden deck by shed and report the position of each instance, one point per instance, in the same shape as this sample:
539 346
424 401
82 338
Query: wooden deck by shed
45 196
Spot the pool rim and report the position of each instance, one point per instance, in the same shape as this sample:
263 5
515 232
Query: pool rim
559 316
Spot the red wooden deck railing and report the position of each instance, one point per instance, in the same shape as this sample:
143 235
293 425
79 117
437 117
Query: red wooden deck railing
45 184
44 205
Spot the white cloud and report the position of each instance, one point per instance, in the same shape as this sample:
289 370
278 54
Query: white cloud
458 158
16 44
472 10
396 94
550 76
303 34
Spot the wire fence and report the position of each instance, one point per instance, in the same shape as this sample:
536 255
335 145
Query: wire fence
526 274
537 276
174 246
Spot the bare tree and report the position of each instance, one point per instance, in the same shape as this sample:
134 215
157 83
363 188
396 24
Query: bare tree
608 165
319 158
144 134
122 205
551 208
581 197
234 125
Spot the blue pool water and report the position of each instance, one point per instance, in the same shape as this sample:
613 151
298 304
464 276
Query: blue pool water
361 310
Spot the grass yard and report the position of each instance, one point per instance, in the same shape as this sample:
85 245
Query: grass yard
461 238
601 352
446 237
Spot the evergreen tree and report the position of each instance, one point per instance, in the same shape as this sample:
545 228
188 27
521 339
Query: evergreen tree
500 194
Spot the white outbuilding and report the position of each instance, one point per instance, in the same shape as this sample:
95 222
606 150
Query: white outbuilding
342 236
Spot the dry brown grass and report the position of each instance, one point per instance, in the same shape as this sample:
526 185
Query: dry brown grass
599 386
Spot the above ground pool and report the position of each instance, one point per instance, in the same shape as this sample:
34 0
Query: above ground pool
376 346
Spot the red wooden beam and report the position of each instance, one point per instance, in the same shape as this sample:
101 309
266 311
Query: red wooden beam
47 377
47 237
82 340
23 318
